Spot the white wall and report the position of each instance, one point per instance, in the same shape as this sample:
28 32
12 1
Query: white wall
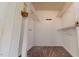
68 18
16 31
46 33
77 19
30 34
3 6
30 28
11 26
70 35
25 38
8 26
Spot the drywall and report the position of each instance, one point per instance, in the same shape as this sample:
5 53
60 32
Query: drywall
70 35
10 35
21 38
77 19
16 29
46 33
3 6
30 33
69 17
77 29
8 26
30 28
25 37
70 41
28 38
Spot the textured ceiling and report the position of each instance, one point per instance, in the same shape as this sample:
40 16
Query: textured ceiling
48 5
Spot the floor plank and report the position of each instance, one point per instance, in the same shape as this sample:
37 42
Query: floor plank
48 51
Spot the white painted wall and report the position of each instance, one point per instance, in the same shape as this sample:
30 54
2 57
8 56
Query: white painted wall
25 38
77 19
16 31
30 34
10 28
70 35
3 6
69 17
30 28
28 38
46 33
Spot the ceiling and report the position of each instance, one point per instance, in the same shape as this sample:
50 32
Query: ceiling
48 5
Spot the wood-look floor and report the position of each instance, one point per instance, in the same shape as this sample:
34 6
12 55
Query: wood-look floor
48 51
